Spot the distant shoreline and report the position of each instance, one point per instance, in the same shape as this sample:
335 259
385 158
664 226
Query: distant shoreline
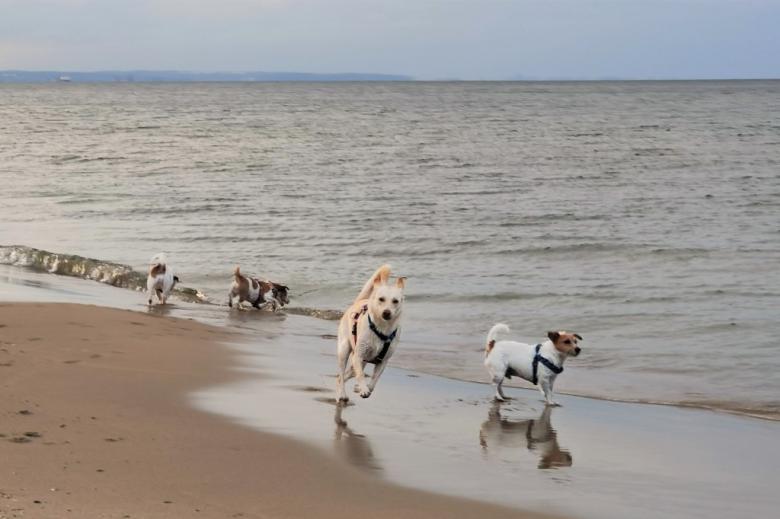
173 76
144 76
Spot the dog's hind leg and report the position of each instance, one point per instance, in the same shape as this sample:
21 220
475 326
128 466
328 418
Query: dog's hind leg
499 394
500 389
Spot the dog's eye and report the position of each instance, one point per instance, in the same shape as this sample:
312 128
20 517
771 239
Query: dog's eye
395 301
381 299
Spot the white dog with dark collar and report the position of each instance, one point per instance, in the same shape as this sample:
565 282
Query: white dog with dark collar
539 364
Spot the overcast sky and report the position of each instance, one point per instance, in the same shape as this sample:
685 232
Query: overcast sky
428 39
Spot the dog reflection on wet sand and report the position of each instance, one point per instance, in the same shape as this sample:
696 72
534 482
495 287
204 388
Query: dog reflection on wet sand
537 435
353 447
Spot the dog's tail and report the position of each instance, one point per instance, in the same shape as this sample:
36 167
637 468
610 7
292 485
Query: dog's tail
380 276
491 336
237 272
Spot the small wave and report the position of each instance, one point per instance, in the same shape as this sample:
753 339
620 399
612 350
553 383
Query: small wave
117 275
474 298
114 274
319 313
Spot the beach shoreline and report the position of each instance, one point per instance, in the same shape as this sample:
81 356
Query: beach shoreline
96 423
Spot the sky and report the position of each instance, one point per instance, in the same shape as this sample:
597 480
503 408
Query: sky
427 39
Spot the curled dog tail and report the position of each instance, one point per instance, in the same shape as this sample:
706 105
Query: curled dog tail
381 275
237 272
491 336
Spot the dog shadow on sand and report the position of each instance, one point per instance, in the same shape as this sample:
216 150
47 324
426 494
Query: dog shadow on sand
499 433
352 447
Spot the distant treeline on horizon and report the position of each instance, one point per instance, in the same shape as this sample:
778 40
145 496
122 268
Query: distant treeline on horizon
45 76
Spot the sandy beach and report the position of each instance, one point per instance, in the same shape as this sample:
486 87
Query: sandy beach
96 423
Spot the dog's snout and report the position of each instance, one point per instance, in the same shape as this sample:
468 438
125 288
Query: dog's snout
577 350
386 315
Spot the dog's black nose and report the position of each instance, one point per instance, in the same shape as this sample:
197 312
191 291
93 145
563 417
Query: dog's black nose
577 350
386 315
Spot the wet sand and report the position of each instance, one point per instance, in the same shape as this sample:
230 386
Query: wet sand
95 423
589 458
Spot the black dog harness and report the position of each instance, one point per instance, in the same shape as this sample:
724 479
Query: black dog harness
387 340
546 363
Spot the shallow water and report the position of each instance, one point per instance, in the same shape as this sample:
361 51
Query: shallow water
588 459
644 216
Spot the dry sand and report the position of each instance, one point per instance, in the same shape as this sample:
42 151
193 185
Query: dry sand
94 422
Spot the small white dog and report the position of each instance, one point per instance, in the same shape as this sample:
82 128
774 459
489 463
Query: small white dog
368 332
161 279
539 364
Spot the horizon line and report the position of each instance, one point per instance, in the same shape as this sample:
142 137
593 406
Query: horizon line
309 76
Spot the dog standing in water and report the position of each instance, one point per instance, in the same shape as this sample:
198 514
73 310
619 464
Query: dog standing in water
161 279
539 364
257 291
369 331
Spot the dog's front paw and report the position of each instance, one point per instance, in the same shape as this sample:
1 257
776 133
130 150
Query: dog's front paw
552 403
342 399
499 398
365 392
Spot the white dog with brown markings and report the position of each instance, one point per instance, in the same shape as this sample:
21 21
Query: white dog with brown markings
540 364
369 331
259 293
161 279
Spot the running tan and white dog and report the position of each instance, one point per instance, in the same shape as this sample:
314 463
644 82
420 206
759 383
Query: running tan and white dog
161 279
259 293
369 331
539 364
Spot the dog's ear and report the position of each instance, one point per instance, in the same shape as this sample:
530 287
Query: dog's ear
380 278
176 279
553 336
579 336
400 282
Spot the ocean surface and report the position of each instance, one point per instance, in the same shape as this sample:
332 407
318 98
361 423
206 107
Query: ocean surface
645 216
